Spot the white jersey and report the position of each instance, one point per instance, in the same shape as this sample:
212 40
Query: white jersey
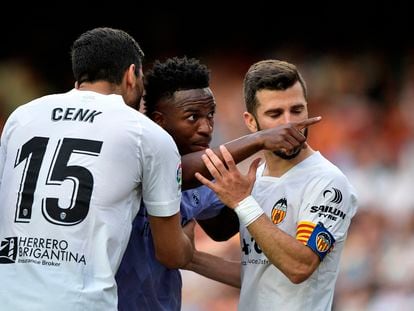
73 170
313 191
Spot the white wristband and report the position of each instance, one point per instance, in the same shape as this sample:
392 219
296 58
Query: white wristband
248 210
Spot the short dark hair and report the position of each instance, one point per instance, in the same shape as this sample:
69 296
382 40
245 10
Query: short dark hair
175 74
270 75
104 54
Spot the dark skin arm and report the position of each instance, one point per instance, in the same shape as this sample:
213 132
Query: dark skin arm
211 266
286 137
174 253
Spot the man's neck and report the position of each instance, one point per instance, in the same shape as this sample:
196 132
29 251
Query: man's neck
102 87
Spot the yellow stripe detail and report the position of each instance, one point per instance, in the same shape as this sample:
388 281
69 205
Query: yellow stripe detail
306 229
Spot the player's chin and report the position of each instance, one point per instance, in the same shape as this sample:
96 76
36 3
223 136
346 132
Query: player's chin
288 156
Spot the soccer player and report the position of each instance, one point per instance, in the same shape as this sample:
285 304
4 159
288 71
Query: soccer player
179 99
294 210
74 168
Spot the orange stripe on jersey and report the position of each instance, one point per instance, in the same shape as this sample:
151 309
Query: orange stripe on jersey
306 224
304 231
303 238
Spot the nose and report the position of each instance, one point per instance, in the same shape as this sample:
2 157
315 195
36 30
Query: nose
286 117
205 126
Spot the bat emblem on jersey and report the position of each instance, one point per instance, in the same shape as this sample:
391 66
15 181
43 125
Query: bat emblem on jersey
279 211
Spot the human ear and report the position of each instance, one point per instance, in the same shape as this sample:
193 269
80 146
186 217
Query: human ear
131 75
158 118
250 121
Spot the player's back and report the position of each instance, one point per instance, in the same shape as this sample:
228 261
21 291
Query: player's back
70 187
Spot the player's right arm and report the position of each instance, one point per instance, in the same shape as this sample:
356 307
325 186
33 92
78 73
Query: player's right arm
286 136
172 247
161 191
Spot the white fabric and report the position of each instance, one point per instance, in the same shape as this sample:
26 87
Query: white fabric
63 265
308 184
248 210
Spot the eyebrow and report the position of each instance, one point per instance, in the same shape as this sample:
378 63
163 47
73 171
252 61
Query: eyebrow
295 106
299 105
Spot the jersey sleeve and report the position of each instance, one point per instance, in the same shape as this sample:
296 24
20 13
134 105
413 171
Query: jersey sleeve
161 186
8 128
212 205
2 156
325 215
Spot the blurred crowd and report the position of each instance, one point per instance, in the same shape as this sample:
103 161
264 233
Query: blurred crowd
366 100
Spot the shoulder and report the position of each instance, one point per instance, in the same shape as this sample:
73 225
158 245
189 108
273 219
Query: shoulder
324 175
27 111
154 134
322 168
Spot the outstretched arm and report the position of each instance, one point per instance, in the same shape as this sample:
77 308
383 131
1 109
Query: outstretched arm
294 259
216 268
211 266
287 137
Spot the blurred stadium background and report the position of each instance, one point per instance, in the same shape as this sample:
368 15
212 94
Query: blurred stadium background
358 61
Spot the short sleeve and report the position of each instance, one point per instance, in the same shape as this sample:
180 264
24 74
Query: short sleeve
161 166
2 157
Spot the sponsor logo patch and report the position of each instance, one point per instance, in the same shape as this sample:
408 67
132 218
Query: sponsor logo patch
41 251
8 250
335 195
179 176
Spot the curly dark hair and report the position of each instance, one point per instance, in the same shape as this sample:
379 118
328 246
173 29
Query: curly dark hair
175 74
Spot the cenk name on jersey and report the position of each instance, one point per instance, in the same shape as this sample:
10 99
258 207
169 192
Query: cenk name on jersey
74 114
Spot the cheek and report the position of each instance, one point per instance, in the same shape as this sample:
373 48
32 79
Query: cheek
182 132
270 123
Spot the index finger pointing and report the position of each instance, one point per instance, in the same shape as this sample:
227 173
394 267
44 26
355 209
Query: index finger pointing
307 122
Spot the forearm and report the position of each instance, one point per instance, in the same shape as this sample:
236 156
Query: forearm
240 149
293 258
176 257
182 255
173 248
216 268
